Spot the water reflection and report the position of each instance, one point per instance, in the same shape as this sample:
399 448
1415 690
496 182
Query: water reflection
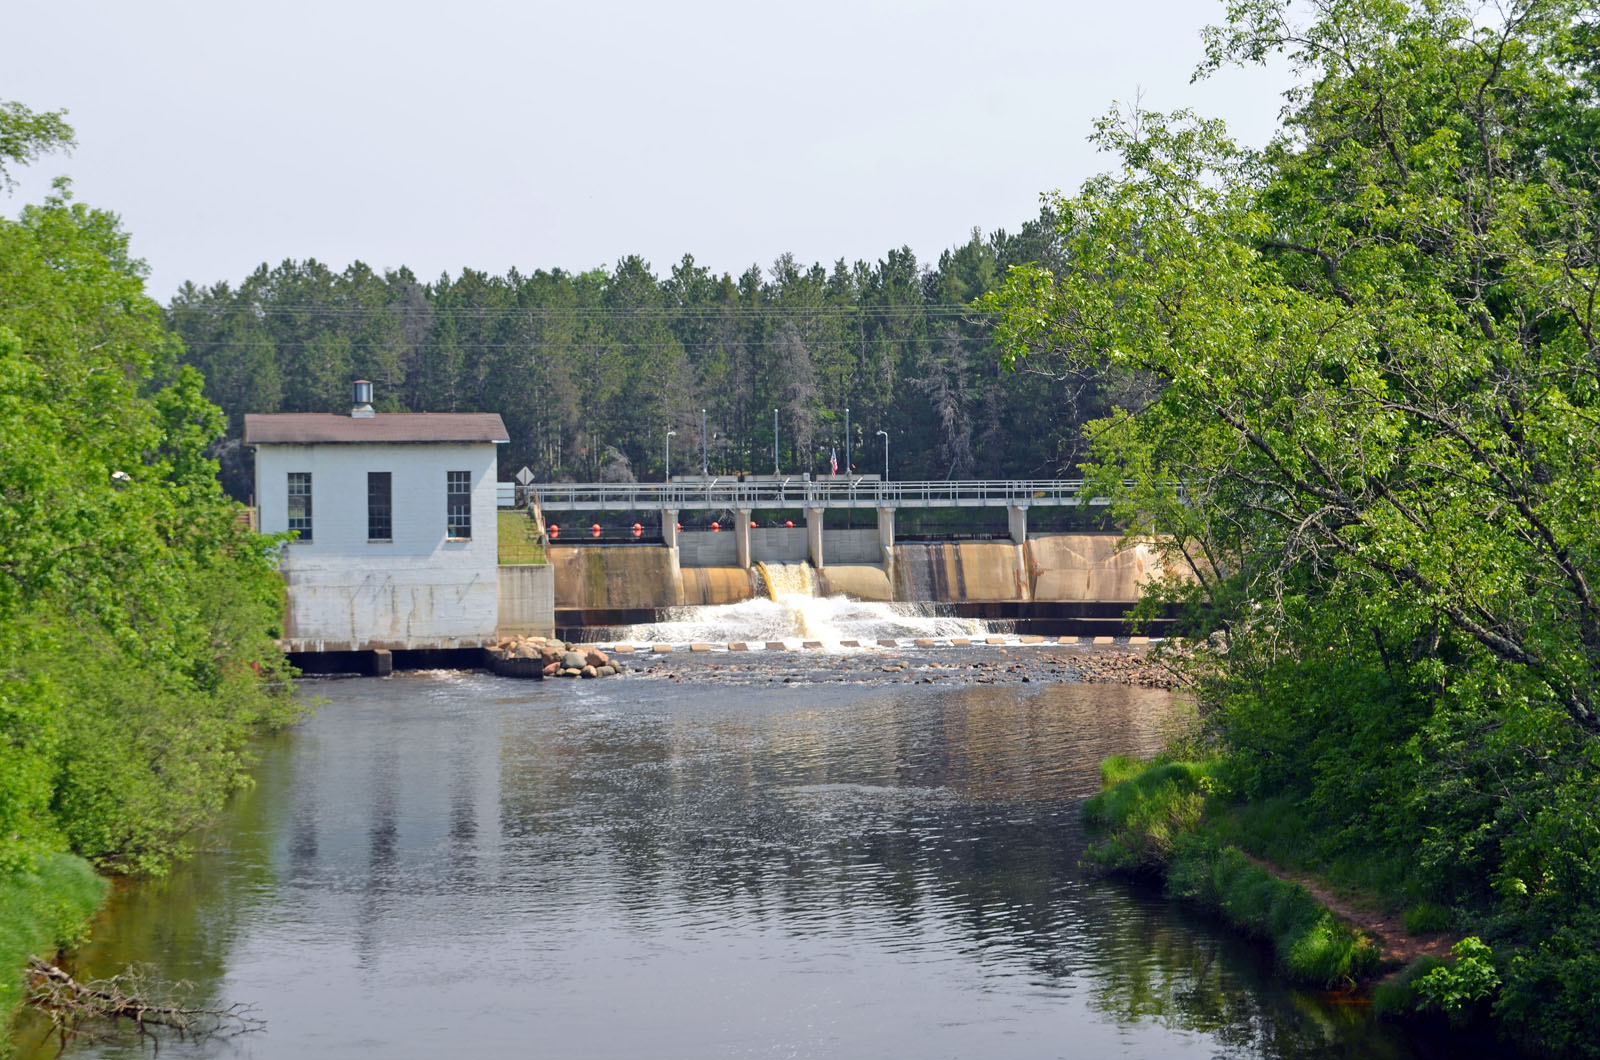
462 863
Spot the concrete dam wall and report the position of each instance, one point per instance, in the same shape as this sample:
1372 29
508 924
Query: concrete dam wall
1065 568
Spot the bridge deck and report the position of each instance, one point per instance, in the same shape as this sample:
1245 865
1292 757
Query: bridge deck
798 493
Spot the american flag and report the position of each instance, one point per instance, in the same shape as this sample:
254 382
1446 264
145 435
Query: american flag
833 463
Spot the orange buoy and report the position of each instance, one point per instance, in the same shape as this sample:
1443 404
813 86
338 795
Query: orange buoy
789 523
595 529
716 528
638 530
752 524
680 528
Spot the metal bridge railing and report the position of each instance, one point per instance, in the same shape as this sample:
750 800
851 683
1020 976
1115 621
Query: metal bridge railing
856 492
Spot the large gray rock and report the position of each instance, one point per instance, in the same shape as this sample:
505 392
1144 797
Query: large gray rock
573 661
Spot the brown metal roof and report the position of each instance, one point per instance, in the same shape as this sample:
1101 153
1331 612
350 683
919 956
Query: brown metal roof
306 428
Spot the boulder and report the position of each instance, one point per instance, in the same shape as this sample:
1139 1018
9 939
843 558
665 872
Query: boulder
589 671
573 661
551 668
595 657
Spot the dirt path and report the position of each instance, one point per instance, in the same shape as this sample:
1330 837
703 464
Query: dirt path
1397 946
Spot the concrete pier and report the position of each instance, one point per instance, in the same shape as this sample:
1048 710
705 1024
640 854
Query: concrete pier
741 537
1017 523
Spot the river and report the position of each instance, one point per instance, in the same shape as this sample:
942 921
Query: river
443 864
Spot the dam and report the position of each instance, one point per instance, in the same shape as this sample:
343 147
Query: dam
1050 582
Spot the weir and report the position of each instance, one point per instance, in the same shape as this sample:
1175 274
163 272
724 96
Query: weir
1051 584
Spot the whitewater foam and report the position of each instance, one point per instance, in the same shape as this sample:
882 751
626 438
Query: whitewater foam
792 616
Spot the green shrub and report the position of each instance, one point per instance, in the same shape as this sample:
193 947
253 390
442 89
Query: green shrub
1463 984
42 908
1548 995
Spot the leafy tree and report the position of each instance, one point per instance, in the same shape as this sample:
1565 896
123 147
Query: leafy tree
1373 436
25 135
136 614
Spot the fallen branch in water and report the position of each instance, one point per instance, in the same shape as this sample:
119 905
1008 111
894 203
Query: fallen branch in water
132 996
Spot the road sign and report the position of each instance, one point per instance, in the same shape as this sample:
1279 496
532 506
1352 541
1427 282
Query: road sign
525 477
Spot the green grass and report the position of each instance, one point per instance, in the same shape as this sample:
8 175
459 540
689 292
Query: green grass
1142 812
519 540
1155 822
41 911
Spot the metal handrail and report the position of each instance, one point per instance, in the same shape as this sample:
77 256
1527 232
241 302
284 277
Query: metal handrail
851 492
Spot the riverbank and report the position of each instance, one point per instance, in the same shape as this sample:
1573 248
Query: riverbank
42 910
1163 822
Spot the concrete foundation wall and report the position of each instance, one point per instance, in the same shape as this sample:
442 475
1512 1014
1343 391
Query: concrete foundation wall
402 609
702 548
627 577
850 546
527 601
778 544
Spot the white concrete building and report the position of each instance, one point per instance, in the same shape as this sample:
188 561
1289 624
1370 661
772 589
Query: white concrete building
398 546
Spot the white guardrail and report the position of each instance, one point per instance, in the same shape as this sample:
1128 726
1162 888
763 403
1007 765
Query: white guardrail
797 492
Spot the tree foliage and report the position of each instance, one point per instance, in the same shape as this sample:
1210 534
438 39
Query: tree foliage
136 613
1374 434
25 135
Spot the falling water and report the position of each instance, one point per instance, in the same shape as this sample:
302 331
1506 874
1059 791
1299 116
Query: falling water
792 612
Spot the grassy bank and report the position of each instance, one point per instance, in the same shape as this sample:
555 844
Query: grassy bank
41 911
1157 821
519 539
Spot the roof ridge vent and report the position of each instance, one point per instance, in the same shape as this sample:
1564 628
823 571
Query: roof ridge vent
363 406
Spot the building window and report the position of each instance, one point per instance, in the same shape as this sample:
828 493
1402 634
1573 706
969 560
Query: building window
380 507
300 503
458 503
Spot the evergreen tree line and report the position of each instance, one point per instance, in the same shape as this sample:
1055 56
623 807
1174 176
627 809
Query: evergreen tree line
590 370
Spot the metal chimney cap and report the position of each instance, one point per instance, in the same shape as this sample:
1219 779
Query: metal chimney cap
363 406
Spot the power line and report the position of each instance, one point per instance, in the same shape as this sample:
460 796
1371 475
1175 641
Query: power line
676 312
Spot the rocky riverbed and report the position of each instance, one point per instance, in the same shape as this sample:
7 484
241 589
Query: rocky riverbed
971 662
941 665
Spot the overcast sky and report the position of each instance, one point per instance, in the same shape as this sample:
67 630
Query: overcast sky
490 135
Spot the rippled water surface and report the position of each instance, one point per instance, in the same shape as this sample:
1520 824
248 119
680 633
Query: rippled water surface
446 864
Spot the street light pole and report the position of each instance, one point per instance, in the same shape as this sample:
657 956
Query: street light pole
775 443
847 465
885 455
668 476
705 459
